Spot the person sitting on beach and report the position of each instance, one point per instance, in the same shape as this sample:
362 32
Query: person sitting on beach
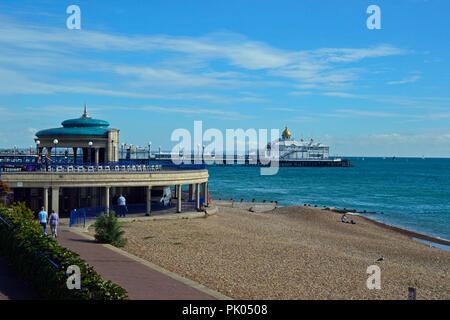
345 220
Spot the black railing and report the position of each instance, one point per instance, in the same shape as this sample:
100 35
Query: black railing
82 215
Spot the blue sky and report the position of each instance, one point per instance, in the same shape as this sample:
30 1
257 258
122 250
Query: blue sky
150 67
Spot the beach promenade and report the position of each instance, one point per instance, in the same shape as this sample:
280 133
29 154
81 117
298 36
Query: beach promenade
142 280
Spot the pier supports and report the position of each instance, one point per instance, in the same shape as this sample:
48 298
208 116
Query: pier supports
149 200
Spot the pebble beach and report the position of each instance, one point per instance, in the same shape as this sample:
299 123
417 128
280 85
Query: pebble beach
291 253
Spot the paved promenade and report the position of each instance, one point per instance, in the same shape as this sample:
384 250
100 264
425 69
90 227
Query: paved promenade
142 280
11 286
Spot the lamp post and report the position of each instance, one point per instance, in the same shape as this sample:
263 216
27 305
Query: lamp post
149 151
38 160
55 142
90 146
15 153
159 152
38 142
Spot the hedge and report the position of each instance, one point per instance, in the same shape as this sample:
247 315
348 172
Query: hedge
42 262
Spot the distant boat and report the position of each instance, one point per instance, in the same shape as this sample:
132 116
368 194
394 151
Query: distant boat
393 158
423 157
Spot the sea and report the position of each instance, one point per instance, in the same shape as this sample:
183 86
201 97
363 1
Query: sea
410 193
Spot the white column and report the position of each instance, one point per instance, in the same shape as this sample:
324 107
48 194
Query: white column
107 191
96 155
197 195
149 200
178 187
55 199
46 199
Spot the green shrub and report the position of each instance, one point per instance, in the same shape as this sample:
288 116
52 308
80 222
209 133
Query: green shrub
42 262
107 230
20 209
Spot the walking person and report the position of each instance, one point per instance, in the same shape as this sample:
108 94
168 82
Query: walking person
122 205
43 219
54 219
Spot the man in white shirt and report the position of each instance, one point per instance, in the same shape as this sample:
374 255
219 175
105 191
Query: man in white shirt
122 206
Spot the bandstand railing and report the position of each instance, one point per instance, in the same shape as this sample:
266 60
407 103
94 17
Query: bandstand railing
106 167
83 215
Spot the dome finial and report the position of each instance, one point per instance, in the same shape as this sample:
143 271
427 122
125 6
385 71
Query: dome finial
85 114
286 133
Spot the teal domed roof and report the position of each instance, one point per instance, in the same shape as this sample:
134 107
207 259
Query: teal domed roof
84 123
84 126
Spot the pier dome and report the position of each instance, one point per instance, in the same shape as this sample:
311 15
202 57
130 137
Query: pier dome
286 133
83 126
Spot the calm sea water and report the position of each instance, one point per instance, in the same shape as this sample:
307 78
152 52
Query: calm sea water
412 193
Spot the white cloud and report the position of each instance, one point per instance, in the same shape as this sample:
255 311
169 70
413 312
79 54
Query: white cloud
356 54
343 95
27 48
405 80
300 93
375 114
281 109
351 113
229 115
57 110
390 144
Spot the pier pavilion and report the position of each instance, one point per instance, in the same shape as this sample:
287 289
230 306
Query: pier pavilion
95 175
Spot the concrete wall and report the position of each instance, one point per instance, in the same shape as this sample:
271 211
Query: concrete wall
85 179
